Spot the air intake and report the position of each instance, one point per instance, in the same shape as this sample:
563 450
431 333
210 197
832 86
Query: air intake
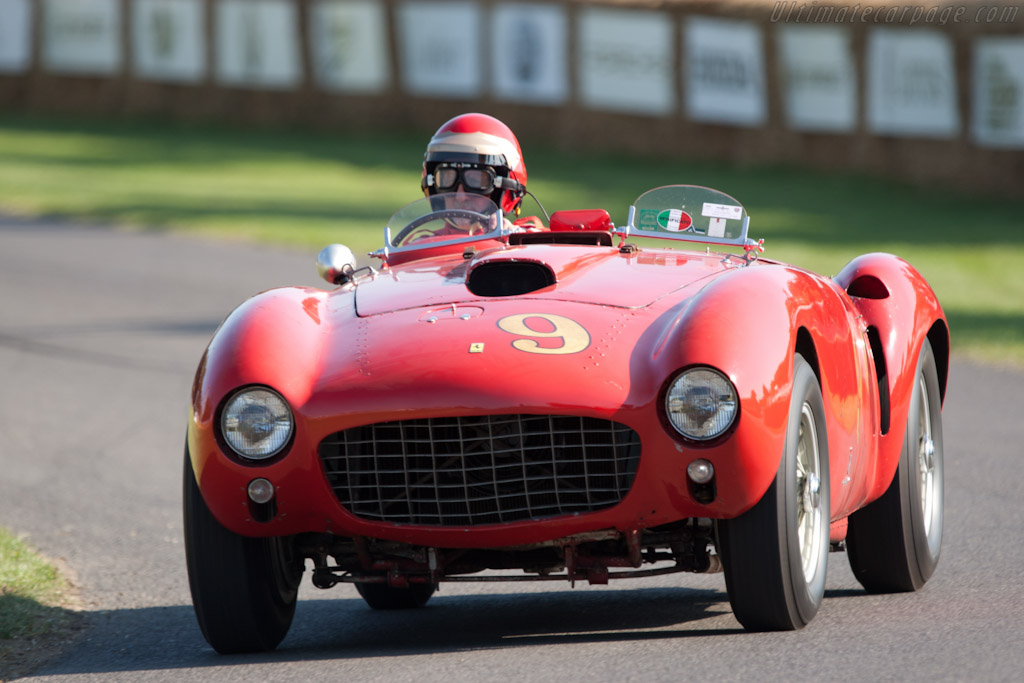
509 278
488 469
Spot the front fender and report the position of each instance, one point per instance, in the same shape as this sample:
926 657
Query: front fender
743 324
275 339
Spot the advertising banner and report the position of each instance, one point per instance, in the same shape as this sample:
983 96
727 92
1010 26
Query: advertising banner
911 83
349 45
169 40
257 44
15 36
997 109
818 78
625 61
723 67
82 37
440 48
529 59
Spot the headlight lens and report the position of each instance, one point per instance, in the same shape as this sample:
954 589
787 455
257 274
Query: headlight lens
701 404
257 423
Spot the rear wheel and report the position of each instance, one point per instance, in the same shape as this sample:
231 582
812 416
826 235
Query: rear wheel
244 589
893 544
775 554
383 596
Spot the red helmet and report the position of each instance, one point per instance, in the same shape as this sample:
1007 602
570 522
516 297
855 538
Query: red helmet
480 153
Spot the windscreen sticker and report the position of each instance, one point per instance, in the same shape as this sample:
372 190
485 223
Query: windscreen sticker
722 211
716 228
674 220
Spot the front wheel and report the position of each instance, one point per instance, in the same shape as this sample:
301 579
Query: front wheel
775 554
893 544
244 589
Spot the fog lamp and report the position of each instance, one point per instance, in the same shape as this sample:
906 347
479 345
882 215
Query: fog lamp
261 491
700 471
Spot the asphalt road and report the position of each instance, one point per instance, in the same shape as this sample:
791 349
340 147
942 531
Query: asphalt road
100 332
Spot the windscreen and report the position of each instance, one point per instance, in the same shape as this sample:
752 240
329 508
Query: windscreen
689 212
444 219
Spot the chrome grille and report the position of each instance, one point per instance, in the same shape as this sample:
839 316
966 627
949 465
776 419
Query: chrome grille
467 471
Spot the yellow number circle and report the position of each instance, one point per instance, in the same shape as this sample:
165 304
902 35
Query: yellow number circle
574 336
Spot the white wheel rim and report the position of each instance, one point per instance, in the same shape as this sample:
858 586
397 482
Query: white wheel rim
928 480
809 514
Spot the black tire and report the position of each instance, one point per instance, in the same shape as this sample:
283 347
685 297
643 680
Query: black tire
383 596
775 555
893 544
244 589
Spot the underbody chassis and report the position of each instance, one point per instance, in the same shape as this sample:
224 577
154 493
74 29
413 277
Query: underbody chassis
595 557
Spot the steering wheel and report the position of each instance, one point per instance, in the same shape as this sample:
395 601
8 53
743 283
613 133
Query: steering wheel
443 214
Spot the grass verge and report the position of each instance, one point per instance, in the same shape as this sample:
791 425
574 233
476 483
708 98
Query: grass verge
306 189
35 620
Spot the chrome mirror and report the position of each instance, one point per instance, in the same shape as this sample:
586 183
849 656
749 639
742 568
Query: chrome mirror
336 263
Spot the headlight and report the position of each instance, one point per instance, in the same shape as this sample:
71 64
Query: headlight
701 404
257 423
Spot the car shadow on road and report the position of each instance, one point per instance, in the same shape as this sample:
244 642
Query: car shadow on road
158 638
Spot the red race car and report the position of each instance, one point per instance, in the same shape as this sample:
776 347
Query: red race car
496 403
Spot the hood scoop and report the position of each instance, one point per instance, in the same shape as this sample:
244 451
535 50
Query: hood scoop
508 278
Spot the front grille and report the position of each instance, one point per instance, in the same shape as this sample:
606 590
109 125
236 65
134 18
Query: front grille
467 471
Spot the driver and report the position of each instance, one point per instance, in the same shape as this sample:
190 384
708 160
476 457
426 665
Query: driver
478 154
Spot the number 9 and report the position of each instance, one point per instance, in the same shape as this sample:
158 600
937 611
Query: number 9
574 336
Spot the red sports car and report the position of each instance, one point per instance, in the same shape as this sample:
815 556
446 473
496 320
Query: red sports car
499 403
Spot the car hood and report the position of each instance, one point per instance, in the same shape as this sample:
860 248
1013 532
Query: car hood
602 276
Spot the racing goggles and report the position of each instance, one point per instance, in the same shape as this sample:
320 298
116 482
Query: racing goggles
474 178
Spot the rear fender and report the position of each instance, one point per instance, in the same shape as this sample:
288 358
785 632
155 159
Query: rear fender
898 303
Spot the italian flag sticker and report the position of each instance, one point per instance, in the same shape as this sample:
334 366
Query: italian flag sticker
674 220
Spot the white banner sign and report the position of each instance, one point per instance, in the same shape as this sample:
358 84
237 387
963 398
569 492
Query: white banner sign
15 36
819 78
82 37
625 60
349 42
911 83
723 64
440 48
169 40
998 97
257 43
529 58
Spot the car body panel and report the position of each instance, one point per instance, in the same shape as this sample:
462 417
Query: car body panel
603 341
597 275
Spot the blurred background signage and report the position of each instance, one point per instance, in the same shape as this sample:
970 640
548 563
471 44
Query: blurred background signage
168 40
15 34
349 45
82 37
440 48
818 77
999 92
257 43
528 56
724 71
911 83
626 61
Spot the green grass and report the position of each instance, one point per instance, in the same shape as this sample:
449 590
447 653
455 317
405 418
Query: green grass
31 591
309 189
